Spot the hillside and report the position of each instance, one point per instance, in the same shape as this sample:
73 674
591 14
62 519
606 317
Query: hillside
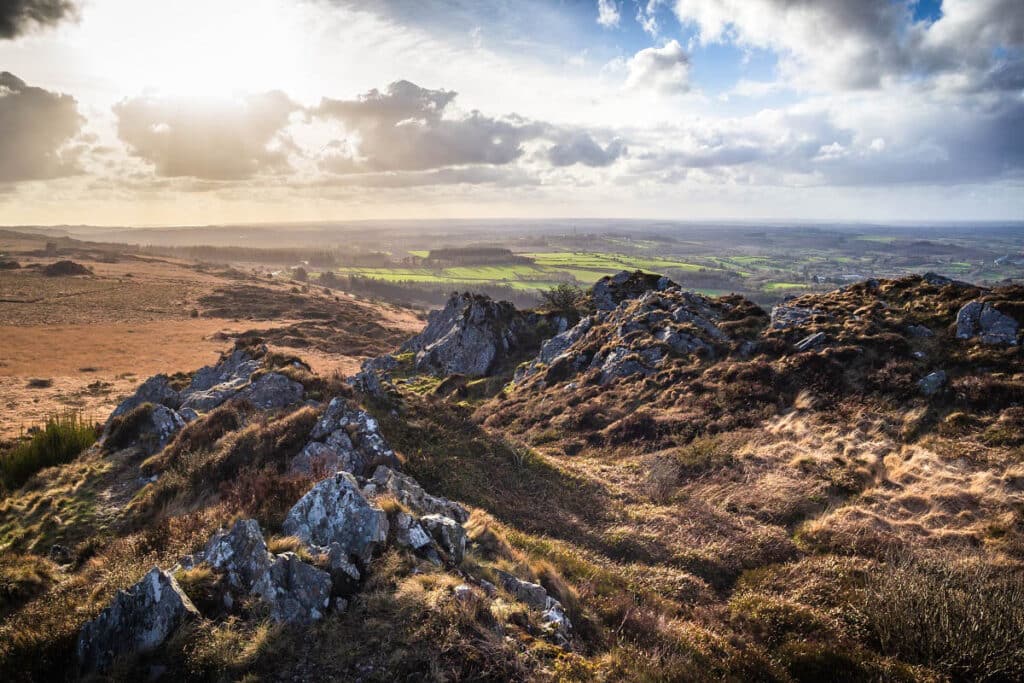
644 483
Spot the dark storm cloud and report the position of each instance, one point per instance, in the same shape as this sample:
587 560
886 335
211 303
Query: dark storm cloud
20 16
38 127
222 140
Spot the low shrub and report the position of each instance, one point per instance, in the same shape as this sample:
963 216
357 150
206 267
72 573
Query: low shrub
60 440
964 618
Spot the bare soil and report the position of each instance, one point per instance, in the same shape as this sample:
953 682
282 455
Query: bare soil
94 338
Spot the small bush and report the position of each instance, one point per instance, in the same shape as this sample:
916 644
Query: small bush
59 441
39 383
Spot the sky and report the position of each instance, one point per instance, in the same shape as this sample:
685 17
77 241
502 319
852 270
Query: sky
195 112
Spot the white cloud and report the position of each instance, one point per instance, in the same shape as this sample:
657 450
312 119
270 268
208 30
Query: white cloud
608 13
662 69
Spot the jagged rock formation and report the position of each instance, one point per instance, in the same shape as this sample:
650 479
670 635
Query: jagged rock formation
345 439
138 620
473 335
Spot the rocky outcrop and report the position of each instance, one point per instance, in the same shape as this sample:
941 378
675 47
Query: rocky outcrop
637 336
335 511
470 336
236 376
984 322
138 620
149 427
408 491
345 439
292 590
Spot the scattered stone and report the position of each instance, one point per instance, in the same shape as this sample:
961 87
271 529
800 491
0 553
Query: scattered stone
919 331
138 620
408 491
984 321
811 341
336 511
448 534
531 594
534 595
273 391
930 384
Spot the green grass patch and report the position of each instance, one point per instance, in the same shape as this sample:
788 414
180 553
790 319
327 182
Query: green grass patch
780 286
60 440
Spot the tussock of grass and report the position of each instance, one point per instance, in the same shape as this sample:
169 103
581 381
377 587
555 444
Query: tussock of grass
59 441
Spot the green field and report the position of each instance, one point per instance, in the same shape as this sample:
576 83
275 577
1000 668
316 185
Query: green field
548 270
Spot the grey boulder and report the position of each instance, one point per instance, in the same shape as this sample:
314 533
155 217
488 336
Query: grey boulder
336 511
984 322
931 383
294 591
138 620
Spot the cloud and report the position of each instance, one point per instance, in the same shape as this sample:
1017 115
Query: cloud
663 69
860 45
881 140
20 16
608 13
647 16
405 128
580 148
39 128
228 139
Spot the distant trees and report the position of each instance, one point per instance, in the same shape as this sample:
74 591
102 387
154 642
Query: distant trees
475 256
